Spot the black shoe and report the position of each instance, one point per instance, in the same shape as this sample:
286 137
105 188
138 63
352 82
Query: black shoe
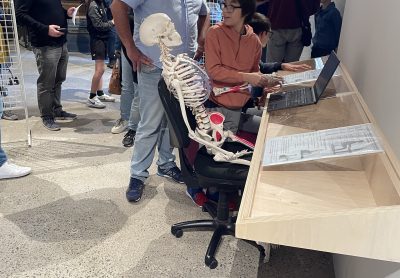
64 115
135 190
50 124
173 173
129 138
111 64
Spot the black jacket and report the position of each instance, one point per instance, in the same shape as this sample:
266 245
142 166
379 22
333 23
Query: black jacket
37 15
98 24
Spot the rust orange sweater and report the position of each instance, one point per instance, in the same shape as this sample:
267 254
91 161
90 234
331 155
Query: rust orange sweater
227 53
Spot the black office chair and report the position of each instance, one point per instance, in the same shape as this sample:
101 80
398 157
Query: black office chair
204 172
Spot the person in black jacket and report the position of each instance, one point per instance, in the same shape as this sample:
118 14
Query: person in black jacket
47 24
98 26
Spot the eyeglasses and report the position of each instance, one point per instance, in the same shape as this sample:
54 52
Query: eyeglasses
269 34
229 8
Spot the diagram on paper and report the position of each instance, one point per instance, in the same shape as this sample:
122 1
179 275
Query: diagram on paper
336 142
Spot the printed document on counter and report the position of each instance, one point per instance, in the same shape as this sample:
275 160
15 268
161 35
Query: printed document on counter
336 142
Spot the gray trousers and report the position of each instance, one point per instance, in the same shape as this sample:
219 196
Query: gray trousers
52 64
236 120
285 46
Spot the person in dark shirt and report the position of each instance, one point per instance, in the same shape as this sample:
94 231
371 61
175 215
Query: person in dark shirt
328 23
99 26
47 24
286 19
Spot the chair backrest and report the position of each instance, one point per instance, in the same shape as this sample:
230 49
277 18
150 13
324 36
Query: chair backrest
187 147
174 115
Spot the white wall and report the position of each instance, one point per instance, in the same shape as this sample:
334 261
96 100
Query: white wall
370 49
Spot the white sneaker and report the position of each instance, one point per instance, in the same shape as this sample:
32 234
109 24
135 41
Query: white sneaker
9 171
95 103
106 98
119 126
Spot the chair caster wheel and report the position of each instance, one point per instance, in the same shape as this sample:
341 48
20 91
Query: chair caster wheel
212 263
177 233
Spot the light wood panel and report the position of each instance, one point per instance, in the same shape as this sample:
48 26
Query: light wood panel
348 205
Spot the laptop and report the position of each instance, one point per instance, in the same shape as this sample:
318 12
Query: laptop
308 95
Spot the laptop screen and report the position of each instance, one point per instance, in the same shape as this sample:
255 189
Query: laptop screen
326 75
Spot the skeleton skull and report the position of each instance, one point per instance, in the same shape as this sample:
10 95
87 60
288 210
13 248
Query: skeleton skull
158 27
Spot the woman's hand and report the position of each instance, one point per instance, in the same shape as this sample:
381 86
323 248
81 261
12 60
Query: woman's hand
273 80
295 67
70 11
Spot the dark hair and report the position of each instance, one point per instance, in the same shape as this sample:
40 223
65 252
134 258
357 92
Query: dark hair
248 9
260 23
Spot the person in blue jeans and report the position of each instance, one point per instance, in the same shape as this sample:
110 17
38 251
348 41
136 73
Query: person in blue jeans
9 170
129 106
129 102
188 17
114 43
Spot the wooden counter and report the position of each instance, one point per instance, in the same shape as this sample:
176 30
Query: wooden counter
345 205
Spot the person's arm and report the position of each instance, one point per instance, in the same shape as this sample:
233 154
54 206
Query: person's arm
22 14
121 19
337 26
97 19
295 67
202 26
203 23
268 68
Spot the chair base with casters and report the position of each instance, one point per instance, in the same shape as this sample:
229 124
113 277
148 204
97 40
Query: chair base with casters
200 170
230 179
220 227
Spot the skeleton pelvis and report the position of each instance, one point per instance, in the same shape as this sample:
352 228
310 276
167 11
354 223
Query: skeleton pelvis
217 125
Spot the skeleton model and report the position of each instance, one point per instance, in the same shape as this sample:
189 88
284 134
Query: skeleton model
190 84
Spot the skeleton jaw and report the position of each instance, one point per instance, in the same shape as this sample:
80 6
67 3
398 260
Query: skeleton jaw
158 28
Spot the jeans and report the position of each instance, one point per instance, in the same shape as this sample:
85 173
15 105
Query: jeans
52 64
129 96
152 129
285 46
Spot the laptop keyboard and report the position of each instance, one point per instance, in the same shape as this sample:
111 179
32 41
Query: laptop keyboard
301 76
299 97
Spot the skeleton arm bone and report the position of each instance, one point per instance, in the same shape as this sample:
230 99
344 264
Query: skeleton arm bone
224 155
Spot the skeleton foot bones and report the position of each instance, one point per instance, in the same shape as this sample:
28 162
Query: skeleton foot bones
191 86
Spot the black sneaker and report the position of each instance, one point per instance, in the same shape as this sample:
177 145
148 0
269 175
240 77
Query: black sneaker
50 124
129 138
64 115
135 190
173 173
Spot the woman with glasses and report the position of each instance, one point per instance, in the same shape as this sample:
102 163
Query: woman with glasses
233 52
